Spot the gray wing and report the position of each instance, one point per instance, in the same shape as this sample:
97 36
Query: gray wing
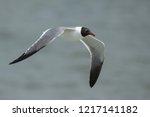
48 36
96 49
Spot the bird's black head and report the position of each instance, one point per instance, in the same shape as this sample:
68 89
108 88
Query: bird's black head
85 31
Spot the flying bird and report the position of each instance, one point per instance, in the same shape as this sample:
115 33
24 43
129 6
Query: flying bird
94 46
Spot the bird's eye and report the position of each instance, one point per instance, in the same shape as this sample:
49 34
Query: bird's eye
87 31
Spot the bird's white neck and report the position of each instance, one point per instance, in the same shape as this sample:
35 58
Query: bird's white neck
72 34
78 29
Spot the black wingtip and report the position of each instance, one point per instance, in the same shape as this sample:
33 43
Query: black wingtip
94 74
91 85
11 63
22 57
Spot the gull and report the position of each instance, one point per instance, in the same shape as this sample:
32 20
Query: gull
94 46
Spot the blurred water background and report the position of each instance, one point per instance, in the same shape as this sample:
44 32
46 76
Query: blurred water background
61 70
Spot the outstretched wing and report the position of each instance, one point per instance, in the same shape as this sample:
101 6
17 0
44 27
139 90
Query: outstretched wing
96 49
48 36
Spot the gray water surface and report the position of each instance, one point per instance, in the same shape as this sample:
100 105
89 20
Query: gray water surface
61 70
